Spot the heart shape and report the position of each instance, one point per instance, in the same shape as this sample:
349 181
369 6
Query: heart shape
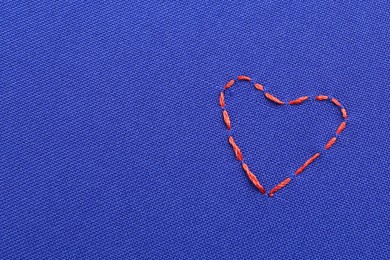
272 98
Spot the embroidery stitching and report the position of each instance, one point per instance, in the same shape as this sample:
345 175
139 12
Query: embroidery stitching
274 99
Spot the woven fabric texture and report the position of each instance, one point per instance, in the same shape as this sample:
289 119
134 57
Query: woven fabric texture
113 146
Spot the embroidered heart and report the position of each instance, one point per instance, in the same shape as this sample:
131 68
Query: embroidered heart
272 98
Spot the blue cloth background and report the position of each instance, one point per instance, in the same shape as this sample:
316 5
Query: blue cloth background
113 144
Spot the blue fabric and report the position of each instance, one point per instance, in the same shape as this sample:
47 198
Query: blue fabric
112 143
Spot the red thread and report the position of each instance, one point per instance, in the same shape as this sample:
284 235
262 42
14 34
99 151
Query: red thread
344 113
321 98
273 99
336 102
330 143
279 186
253 178
259 87
298 100
226 119
307 163
242 77
229 84
222 99
236 150
341 128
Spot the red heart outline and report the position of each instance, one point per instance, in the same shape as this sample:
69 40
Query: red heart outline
274 99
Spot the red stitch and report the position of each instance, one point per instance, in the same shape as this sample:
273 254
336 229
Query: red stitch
320 98
307 163
341 128
226 119
298 100
344 112
222 99
330 143
242 77
236 149
274 99
259 87
336 102
229 84
253 178
279 186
